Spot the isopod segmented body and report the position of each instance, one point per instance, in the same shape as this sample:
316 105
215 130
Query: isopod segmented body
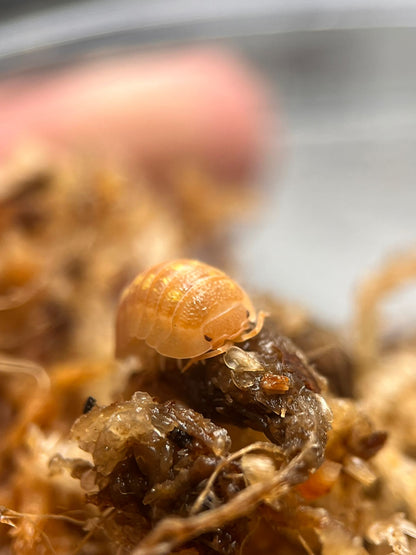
184 309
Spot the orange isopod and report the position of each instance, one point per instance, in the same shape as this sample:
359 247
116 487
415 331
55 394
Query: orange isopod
185 309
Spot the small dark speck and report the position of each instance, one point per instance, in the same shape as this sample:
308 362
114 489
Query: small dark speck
75 269
89 404
207 338
181 438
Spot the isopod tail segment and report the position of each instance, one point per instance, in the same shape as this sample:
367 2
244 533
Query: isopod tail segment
245 336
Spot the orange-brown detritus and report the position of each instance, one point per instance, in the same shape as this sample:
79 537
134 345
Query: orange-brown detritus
272 384
321 481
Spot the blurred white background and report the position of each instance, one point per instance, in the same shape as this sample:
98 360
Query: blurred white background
344 77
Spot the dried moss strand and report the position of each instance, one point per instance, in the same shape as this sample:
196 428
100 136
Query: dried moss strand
395 273
172 532
257 446
14 366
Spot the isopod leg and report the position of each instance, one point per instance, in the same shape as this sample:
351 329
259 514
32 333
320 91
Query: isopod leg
259 324
209 354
